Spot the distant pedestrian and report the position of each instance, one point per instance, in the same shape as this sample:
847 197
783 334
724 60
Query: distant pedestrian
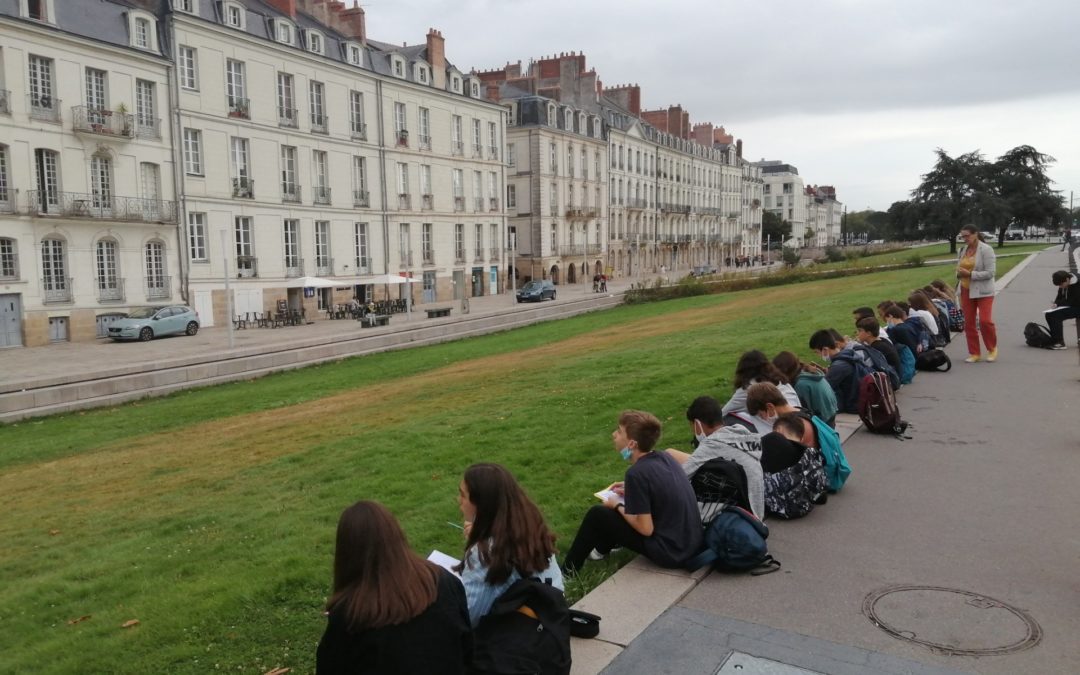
975 269
1065 238
1066 305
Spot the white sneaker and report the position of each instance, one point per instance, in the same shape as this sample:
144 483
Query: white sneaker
597 555
1059 346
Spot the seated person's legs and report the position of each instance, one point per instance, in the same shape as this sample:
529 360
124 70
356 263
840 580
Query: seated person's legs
602 529
1057 318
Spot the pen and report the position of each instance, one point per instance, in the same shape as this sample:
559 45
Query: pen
455 525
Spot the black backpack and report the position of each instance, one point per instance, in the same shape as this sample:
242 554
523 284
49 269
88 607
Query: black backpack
933 359
527 631
735 542
1037 335
719 483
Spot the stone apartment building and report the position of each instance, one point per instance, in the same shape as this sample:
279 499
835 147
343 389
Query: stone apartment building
784 194
88 211
823 216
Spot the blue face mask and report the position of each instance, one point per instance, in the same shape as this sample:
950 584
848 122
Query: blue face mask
625 453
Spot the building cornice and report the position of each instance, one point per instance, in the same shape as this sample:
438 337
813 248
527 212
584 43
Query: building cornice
36 27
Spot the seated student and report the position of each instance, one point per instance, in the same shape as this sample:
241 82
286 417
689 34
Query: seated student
865 312
733 443
506 538
900 331
867 332
843 374
1066 305
814 392
660 518
945 290
755 367
795 477
391 611
937 323
765 403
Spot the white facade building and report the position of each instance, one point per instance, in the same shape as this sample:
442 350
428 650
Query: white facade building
784 194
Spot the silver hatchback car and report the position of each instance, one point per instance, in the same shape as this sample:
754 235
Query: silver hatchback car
146 323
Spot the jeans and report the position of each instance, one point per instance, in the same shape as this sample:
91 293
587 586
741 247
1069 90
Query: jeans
602 529
983 308
1056 318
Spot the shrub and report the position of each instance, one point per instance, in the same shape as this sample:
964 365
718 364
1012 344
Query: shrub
790 257
833 254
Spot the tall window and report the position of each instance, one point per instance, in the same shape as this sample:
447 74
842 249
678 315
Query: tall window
235 89
457 178
403 178
477 148
425 179
401 126
245 247
493 141
511 196
286 100
493 190
584 164
193 152
424 120
105 267
142 33
570 160
404 245
321 168
323 264
456 146
46 165
478 241
554 237
188 66
359 181
95 89
361 241
157 282
293 264
318 106
511 155
145 106
242 185
101 182
494 239
478 191
197 237
426 247
5 181
459 243
9 259
554 159
290 191
54 277
553 199
356 115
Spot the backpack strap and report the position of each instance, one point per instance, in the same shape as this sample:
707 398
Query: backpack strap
706 557
767 566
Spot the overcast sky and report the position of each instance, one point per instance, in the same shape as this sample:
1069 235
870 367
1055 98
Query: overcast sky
855 93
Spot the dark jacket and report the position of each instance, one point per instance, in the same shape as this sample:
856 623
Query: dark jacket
904 334
1070 295
888 351
849 366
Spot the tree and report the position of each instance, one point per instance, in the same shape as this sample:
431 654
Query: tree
774 227
904 221
1020 179
952 194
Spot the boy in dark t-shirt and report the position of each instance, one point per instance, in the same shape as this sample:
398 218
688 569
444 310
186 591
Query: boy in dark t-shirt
868 332
660 517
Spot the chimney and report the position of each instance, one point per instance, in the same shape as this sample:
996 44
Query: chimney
351 23
738 148
284 6
436 56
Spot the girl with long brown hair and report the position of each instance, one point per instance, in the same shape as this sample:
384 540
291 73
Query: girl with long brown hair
391 611
754 367
506 537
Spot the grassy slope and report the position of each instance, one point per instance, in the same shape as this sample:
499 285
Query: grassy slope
209 516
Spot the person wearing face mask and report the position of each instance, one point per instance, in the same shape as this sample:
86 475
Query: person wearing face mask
734 443
659 517
766 403
849 362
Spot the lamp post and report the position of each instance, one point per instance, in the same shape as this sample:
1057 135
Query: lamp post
228 290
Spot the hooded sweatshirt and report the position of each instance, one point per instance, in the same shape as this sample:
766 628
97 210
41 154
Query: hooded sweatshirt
738 445
1070 295
816 395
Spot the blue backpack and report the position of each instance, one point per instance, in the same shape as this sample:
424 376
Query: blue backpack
922 334
907 363
837 468
735 542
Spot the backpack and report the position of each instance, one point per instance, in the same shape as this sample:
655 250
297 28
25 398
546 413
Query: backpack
1037 335
877 406
922 334
792 493
956 319
837 468
907 363
509 640
933 359
735 542
719 483
866 360
881 365
943 337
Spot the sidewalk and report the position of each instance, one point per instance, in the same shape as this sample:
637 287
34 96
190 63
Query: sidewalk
980 501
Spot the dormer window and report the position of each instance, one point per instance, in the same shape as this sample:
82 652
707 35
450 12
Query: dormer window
421 75
142 29
39 10
232 15
142 33
314 41
283 31
551 116
455 83
568 120
583 125
475 90
354 54
189 6
399 67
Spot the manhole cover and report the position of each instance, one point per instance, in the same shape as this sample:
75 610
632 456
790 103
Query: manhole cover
952 621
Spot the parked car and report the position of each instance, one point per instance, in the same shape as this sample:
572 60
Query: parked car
703 270
146 323
536 291
1014 234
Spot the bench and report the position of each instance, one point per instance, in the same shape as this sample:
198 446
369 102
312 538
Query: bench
372 320
436 312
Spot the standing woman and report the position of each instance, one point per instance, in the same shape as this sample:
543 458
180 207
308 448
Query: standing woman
506 537
391 612
976 269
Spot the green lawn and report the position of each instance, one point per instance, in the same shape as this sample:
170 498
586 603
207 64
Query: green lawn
209 516
931 253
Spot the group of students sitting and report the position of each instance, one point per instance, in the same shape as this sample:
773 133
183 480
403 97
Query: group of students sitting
392 611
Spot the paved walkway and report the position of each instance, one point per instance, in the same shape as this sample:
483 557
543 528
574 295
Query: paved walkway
983 499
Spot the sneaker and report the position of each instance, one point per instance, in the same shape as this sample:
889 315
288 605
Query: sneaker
974 358
597 555
992 356
1058 346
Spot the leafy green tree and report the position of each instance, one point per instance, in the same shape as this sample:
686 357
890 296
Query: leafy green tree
952 194
904 221
1024 189
774 227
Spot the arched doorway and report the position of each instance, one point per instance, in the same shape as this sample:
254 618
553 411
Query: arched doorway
599 267
554 274
571 275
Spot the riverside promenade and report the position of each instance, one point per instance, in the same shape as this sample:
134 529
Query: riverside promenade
954 551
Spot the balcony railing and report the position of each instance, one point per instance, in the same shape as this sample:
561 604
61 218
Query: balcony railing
324 267
247 267
109 290
459 255
580 249
457 148
429 257
406 258
478 151
459 204
404 202
243 188
56 289
427 202
425 142
358 130
294 267
493 204
5 101
239 108
45 108
100 121
403 138
635 203
361 198
493 253
290 192
478 204
320 194
363 265
7 204
148 127
493 152
478 255
158 288
320 124
287 117
111 207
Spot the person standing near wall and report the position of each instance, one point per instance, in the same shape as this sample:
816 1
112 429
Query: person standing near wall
975 270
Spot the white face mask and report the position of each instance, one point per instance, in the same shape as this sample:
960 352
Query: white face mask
699 433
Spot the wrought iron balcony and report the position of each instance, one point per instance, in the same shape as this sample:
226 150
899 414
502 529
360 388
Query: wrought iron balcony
459 204
478 151
403 138
580 249
243 188
363 266
358 130
478 204
320 194
324 267
45 108
427 202
361 198
290 192
247 267
56 289
102 206
425 142
429 256
478 255
148 127
493 152
294 267
109 290
404 202
101 121
159 287
493 253
459 256
493 204
406 258
5 101
239 108
636 203
320 124
287 117
457 148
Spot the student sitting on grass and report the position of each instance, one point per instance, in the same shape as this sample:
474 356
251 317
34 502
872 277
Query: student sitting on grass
900 331
815 394
660 518
843 374
868 332
765 402
506 537
734 443
1066 305
754 367
865 312
391 611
